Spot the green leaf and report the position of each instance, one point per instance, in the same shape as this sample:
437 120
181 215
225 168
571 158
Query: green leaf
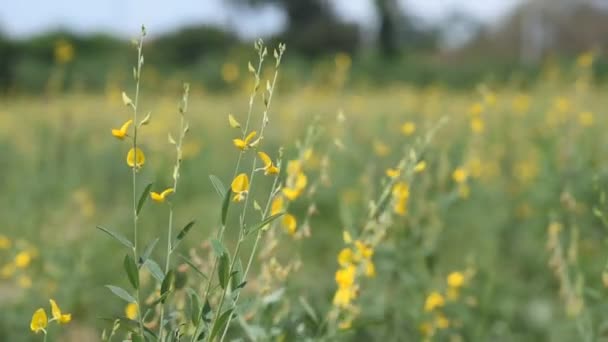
206 313
220 323
121 293
120 238
147 252
223 270
167 284
195 306
132 271
143 197
132 326
137 338
219 187
182 233
225 206
193 266
218 247
264 222
237 274
154 269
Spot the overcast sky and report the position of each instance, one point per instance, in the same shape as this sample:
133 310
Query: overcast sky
123 17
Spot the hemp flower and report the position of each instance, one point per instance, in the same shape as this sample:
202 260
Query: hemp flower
121 132
295 186
276 206
408 128
455 280
240 187
39 321
23 259
57 315
433 300
460 175
136 158
290 224
244 145
160 197
345 257
393 173
420 166
131 311
269 167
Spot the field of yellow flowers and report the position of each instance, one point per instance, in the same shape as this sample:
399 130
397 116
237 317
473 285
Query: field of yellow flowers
168 213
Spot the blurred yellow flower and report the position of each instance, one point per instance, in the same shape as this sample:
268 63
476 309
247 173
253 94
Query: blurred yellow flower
370 269
460 175
57 315
39 321
23 259
345 277
131 311
246 143
7 271
455 279
277 205
290 224
477 125
295 186
442 322
345 257
240 187
408 128
343 296
136 158
585 60
160 197
121 132
64 51
269 168
393 173
420 166
476 109
230 72
586 119
5 243
433 301
342 60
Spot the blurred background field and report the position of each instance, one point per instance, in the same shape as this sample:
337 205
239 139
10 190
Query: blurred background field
512 196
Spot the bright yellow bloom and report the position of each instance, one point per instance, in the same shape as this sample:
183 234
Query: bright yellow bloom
121 132
244 144
5 243
345 257
346 237
433 300
294 167
370 269
420 166
295 186
131 311
23 259
136 158
290 224
408 128
460 175
455 279
442 322
269 168
393 173
160 198
240 187
57 315
364 250
345 277
276 206
343 296
39 321
401 190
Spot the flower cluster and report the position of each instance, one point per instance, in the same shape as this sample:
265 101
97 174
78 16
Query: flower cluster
40 319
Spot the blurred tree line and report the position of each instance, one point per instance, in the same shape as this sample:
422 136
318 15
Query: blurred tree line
402 49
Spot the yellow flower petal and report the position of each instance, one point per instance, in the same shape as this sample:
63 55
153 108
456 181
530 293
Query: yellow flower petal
276 206
131 311
250 137
290 224
240 144
136 158
39 321
420 166
265 159
240 183
121 133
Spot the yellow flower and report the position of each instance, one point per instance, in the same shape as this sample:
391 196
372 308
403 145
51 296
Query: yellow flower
5 243
370 269
136 158
476 109
477 125
23 259
455 279
585 60
7 271
131 311
393 173
269 168
585 119
433 300
420 166
401 190
57 315
160 198
39 321
240 187
426 329
295 186
460 175
345 257
364 250
290 224
344 325
345 277
276 206
121 132
343 296
64 51
346 237
442 322
244 144
408 128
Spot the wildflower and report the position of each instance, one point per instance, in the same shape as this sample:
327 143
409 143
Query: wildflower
408 128
477 125
57 315
346 324
420 166
345 277
23 259
345 257
393 173
442 322
131 311
401 190
269 168
160 198
585 119
136 158
295 186
240 186
294 167
433 300
370 269
346 237
343 296
290 224
5 243
276 206
64 51
426 329
585 60
460 175
121 133
39 321
7 271
455 280
364 250
244 145
476 109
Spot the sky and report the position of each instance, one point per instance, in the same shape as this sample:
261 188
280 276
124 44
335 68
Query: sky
22 18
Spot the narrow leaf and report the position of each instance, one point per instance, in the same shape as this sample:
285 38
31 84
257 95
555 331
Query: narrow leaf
193 266
132 271
223 270
237 274
219 187
167 284
265 222
183 232
218 247
147 252
155 269
143 197
220 323
121 293
225 206
120 238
